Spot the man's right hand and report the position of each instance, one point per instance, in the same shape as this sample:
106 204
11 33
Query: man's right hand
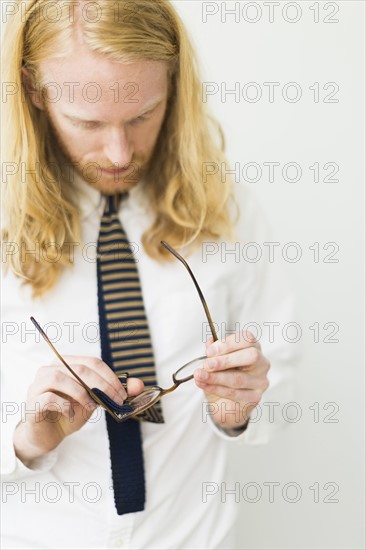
62 405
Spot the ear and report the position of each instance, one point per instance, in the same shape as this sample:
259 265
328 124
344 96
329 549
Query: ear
31 89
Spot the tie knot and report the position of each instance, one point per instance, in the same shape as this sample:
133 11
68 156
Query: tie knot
113 202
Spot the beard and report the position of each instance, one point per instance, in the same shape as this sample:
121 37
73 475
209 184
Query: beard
122 179
118 179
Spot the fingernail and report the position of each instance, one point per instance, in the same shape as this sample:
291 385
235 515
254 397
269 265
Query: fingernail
211 363
212 349
119 398
202 374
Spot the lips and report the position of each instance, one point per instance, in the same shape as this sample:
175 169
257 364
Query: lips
115 171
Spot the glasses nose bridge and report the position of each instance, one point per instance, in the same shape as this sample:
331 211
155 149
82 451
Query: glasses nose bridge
171 389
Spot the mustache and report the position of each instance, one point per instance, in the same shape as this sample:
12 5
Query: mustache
115 166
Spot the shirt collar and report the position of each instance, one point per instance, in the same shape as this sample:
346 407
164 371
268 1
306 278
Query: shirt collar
91 201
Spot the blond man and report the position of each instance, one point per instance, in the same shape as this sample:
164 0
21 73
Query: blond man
104 100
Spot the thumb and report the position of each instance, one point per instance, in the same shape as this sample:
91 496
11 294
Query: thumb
134 386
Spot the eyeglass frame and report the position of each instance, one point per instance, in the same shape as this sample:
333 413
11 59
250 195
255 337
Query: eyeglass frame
177 382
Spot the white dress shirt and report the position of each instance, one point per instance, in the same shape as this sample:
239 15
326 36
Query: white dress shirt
66 500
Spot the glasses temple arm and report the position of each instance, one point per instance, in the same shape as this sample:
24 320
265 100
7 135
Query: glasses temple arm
45 337
92 394
183 261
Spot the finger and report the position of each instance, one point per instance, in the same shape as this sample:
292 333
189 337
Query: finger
96 374
95 380
234 378
209 341
61 383
246 357
237 341
51 406
134 386
238 395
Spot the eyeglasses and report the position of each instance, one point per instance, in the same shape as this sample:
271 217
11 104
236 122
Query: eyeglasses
133 406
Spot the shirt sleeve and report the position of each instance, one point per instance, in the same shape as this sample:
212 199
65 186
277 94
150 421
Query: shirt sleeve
16 376
261 301
11 467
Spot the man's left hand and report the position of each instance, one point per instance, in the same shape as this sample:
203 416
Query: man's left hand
234 378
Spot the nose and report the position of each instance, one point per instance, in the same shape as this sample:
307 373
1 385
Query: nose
118 147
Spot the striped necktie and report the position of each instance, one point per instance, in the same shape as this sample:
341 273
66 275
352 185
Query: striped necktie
126 347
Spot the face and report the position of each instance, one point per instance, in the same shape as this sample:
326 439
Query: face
105 115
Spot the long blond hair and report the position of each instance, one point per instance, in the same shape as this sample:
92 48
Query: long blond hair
40 208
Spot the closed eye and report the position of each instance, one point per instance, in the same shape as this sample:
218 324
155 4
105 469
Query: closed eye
93 124
87 124
141 118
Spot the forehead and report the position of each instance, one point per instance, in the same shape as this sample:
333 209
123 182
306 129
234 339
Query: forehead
92 81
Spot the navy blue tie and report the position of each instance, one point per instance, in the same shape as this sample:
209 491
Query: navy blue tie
126 347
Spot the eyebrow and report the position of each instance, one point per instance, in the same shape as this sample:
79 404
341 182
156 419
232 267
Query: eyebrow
148 107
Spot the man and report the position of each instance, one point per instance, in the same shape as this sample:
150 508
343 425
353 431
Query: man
105 101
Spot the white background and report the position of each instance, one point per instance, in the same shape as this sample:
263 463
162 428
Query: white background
305 212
